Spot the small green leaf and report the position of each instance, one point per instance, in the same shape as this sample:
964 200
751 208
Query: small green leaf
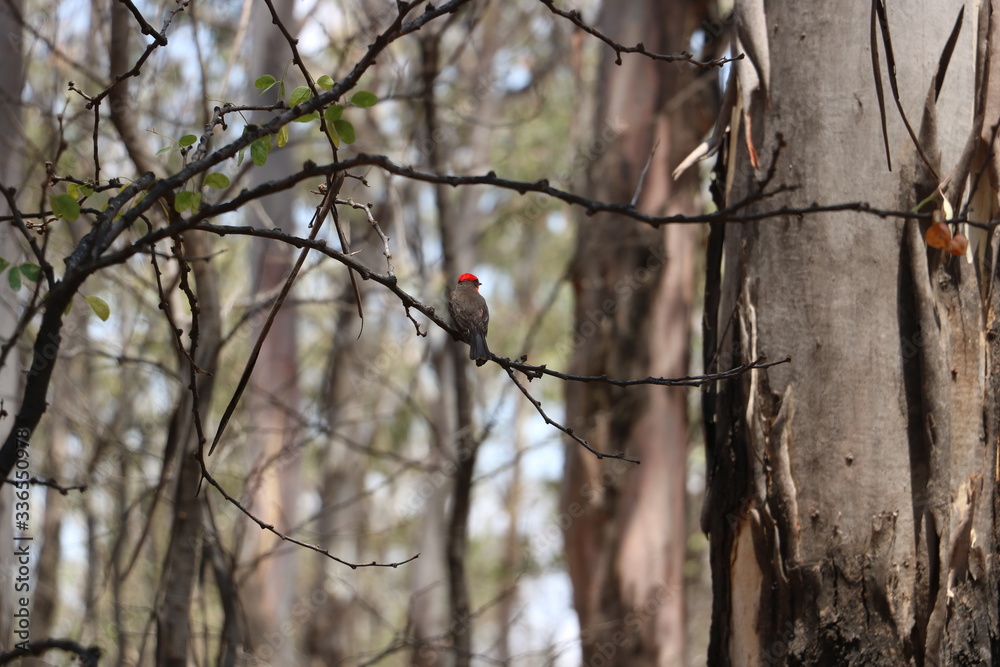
282 137
100 307
345 130
325 82
264 82
86 191
299 95
217 180
31 271
333 112
308 117
72 190
332 133
3 264
65 206
259 150
14 278
363 99
186 199
187 140
165 149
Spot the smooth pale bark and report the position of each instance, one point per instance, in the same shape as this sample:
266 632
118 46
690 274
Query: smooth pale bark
625 544
272 400
850 491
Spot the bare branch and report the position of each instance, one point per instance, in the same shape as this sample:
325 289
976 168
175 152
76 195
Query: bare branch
51 483
568 431
573 16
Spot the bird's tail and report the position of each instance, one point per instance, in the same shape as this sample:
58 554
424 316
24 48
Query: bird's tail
478 349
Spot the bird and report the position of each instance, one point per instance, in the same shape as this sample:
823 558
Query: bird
471 316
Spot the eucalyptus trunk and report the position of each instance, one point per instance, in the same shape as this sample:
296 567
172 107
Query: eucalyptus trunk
851 505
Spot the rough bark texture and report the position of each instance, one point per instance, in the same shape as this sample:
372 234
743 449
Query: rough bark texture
849 505
182 562
624 524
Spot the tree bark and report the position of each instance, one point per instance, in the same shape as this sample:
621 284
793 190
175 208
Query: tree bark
272 398
184 554
848 505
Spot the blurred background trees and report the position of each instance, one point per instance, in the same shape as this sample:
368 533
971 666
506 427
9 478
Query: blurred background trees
228 231
373 438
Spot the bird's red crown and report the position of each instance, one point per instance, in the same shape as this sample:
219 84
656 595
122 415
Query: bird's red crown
468 276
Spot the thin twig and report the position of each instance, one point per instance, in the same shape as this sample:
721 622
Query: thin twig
568 431
573 16
271 529
51 483
367 208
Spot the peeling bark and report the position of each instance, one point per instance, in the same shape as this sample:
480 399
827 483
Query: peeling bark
846 519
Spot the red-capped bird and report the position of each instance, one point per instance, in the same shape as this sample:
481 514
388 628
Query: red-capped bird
471 315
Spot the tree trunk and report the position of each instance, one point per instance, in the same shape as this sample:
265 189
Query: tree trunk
181 565
851 492
272 398
625 532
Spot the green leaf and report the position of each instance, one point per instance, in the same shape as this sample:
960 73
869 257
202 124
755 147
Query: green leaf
86 191
31 271
186 199
332 133
72 190
14 278
3 264
65 206
333 112
187 140
313 115
363 99
259 150
325 82
299 95
217 180
264 82
282 137
165 149
100 307
345 130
